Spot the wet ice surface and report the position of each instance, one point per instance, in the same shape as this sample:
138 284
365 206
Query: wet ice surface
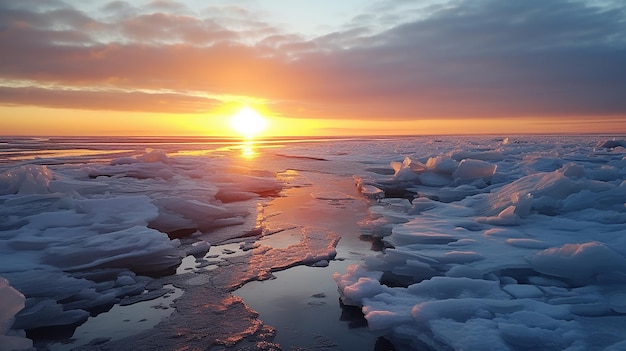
512 243
320 199
121 321
96 228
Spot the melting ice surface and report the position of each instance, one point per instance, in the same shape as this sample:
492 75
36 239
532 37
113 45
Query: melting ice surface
80 233
512 243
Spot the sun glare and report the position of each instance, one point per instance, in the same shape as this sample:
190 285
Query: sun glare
248 122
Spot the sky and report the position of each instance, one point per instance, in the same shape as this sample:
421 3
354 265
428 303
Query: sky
312 67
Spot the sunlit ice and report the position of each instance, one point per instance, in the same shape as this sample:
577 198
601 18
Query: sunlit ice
248 122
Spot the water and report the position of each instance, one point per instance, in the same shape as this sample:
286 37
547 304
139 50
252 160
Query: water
121 321
303 302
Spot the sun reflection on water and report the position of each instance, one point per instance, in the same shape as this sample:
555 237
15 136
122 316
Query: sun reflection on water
248 149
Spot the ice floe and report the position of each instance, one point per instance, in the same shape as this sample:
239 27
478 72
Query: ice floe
510 246
99 227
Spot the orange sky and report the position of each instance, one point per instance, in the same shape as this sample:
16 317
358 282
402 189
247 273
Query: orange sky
47 121
360 68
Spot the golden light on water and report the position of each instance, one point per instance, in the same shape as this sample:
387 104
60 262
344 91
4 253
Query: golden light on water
248 149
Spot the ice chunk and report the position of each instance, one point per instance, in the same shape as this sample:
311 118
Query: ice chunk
441 164
473 335
383 319
460 310
507 216
401 236
154 156
140 249
578 262
125 280
504 233
421 204
177 213
471 169
611 144
546 192
443 288
359 282
11 302
198 249
527 243
573 170
522 336
113 212
45 312
490 155
369 191
463 271
62 303
362 288
434 179
413 165
607 200
456 256
25 180
408 170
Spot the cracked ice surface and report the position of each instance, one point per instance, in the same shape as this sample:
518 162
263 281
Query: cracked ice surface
314 246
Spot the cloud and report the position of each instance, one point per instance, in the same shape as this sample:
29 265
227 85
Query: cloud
107 100
487 57
161 28
479 58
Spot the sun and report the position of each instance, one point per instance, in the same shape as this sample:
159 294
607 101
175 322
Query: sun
248 122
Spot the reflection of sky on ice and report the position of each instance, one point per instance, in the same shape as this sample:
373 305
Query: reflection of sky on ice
515 242
123 321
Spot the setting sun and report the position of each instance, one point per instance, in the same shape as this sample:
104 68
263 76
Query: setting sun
248 122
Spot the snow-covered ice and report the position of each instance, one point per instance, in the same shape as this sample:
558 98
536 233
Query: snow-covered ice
512 244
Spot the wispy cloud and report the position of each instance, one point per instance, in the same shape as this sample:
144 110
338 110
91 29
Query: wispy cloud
103 99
